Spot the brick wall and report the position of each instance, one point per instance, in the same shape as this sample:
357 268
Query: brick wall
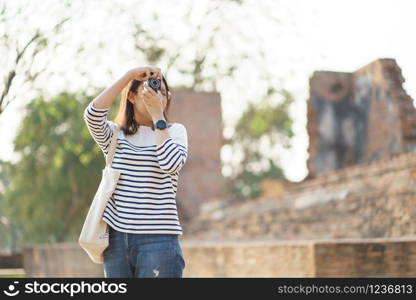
374 199
303 258
59 260
365 258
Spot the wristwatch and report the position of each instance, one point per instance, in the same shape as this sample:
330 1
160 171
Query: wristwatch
161 124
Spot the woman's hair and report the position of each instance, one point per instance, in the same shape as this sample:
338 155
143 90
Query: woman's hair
125 115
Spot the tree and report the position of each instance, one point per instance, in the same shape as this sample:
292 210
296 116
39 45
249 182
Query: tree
20 50
50 188
9 229
263 123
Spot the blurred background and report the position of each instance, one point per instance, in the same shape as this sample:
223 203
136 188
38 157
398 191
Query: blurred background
300 118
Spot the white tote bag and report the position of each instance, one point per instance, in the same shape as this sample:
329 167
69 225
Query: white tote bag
94 237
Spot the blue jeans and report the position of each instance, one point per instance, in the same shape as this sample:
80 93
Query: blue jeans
143 255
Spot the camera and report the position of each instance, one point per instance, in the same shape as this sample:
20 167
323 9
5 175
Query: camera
154 83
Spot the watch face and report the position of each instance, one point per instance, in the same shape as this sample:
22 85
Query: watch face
161 124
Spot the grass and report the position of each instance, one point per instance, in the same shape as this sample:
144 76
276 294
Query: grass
13 276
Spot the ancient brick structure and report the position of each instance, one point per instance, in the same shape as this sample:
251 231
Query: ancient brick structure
358 117
305 258
362 136
200 180
372 200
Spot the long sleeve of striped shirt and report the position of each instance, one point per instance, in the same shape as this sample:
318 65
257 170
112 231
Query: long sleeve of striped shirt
172 153
100 128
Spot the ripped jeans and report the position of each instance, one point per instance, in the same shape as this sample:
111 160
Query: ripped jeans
143 255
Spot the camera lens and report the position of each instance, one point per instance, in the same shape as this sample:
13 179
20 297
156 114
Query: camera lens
154 83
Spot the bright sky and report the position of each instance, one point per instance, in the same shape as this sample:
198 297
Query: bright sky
324 35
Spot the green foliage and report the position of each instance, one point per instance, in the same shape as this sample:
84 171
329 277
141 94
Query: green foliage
50 188
264 119
247 184
265 123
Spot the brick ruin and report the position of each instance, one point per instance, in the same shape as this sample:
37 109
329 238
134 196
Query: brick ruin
362 165
200 179
358 117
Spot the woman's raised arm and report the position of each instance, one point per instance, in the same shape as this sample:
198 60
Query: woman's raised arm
95 114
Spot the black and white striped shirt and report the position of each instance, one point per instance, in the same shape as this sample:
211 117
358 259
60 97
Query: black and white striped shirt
144 200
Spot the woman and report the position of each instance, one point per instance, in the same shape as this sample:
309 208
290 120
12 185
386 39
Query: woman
142 214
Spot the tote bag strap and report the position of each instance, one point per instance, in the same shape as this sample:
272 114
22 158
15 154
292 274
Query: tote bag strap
113 144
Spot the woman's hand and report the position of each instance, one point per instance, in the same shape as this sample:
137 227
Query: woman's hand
153 102
144 73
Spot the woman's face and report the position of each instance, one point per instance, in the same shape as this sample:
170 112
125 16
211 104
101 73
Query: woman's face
139 105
